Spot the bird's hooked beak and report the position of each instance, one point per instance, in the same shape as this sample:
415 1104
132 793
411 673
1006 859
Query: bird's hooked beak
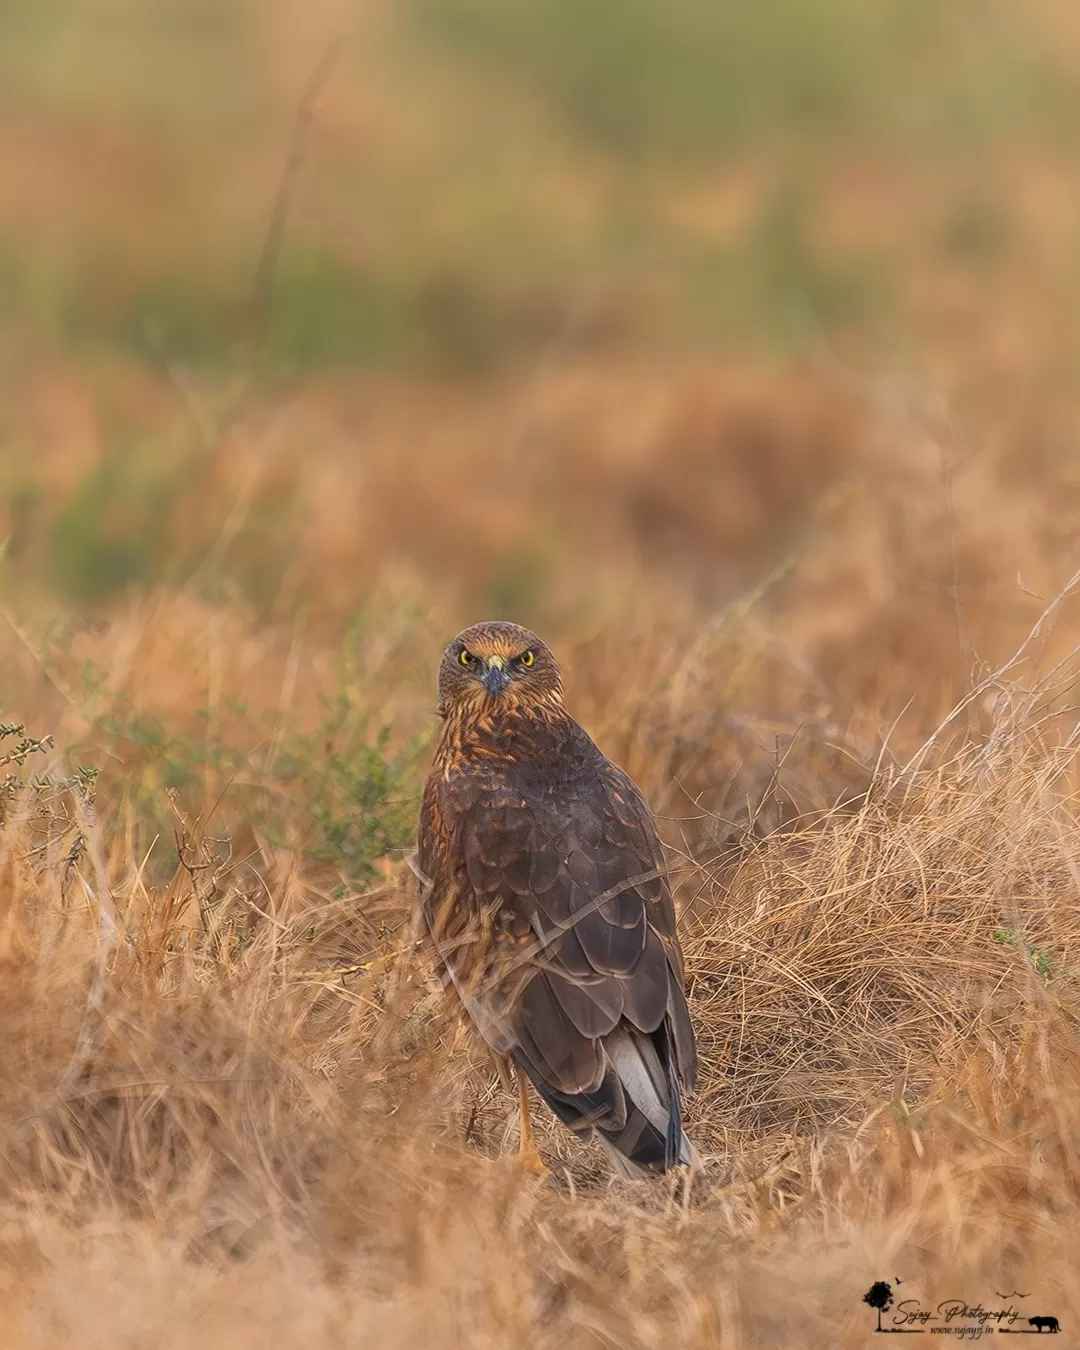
495 679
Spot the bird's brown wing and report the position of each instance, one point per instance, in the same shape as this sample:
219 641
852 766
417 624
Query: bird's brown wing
566 896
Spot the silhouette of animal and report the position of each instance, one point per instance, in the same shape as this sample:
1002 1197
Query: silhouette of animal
1050 1323
543 888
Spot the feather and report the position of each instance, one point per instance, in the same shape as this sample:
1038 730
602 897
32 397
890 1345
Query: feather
653 1135
552 1043
646 992
594 1008
634 1059
620 1163
548 907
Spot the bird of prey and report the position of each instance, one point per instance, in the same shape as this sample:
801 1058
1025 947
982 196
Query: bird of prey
543 890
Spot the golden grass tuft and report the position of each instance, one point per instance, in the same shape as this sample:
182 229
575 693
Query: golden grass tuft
252 1113
771 436
237 1106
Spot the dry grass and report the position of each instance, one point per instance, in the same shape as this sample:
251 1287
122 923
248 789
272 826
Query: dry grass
248 1111
808 605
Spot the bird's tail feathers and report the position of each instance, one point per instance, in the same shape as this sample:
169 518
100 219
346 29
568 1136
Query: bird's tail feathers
653 1136
620 1163
635 1110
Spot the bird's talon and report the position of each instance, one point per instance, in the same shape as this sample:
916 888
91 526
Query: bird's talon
530 1161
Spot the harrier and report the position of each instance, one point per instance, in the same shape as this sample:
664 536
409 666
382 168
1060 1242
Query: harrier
544 893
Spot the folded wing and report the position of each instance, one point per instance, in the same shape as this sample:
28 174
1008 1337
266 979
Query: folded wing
569 960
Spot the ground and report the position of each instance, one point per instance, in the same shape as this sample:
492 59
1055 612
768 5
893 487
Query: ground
746 376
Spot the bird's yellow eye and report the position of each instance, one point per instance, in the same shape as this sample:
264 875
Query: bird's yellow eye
526 659
466 658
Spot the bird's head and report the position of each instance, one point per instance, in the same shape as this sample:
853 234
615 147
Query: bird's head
494 665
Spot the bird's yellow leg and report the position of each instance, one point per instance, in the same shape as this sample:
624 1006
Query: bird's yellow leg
527 1154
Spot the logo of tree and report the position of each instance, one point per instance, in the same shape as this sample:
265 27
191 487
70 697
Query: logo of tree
879 1296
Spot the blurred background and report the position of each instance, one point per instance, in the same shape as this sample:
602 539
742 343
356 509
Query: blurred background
733 347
